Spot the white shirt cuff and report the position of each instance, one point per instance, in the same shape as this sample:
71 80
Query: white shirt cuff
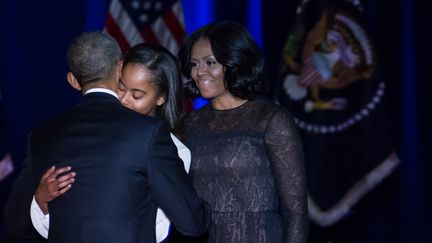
39 220
162 225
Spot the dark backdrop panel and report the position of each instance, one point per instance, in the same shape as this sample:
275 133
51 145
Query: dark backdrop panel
277 20
33 61
423 49
35 36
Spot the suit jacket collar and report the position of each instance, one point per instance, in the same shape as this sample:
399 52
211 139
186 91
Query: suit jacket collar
102 90
99 97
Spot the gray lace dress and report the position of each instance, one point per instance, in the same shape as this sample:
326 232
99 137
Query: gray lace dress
247 163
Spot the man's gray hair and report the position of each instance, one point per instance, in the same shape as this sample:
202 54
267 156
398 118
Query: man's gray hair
93 56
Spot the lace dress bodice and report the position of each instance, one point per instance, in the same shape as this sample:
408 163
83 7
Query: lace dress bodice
247 163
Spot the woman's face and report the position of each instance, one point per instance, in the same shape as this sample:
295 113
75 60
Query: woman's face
137 91
207 73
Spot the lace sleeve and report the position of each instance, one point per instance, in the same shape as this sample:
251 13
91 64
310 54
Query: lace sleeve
286 154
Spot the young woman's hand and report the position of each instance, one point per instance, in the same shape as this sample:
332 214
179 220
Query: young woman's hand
52 185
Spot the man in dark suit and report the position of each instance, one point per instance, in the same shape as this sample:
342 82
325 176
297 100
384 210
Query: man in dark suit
126 163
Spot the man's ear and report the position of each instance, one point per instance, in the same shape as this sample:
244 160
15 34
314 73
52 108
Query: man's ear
119 69
73 81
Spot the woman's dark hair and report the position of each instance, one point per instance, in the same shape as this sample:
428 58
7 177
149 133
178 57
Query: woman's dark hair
234 48
165 71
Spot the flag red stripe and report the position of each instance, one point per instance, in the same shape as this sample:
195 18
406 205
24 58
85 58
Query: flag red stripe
174 26
113 29
149 36
171 23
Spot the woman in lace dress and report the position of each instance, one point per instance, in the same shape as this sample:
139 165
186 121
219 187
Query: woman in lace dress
247 160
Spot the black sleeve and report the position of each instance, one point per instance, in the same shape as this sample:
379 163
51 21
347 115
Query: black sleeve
172 187
286 152
17 209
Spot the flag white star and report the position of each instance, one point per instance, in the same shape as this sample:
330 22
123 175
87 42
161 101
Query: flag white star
158 5
143 18
147 5
135 4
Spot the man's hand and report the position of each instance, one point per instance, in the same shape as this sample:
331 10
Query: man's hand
52 185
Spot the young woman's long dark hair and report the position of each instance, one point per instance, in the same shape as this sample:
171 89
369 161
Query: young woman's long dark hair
165 70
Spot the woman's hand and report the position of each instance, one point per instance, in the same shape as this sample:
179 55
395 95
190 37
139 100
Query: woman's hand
52 185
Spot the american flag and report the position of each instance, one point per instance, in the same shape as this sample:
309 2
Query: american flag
157 21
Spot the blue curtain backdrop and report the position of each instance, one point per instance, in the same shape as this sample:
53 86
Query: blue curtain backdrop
36 34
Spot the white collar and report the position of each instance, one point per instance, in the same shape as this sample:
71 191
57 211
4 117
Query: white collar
102 90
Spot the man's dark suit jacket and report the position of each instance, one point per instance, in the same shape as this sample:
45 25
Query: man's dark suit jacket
126 165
